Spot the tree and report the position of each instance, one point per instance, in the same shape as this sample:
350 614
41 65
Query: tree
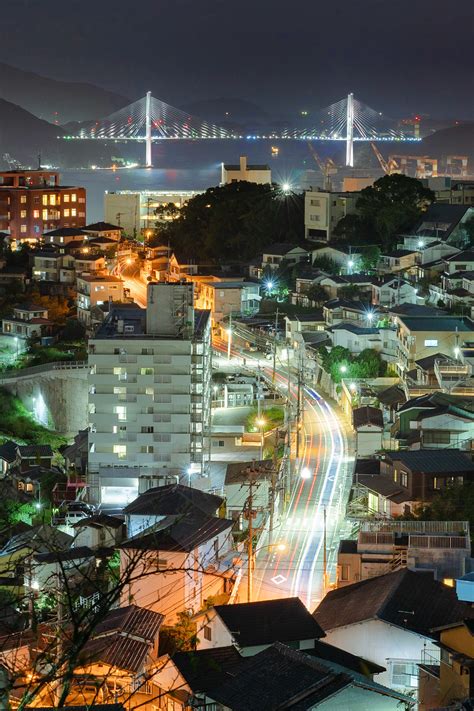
454 503
166 211
386 208
235 221
317 293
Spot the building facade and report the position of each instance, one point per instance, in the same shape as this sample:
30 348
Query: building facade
134 211
260 174
323 210
33 202
149 393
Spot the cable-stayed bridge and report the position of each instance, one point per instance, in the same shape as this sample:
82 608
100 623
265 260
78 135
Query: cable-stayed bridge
150 119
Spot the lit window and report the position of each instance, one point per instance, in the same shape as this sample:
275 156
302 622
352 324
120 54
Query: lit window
73 212
23 228
66 212
120 390
23 199
74 197
52 199
45 199
45 214
146 371
66 198
121 412
36 214
149 391
23 214
120 450
431 343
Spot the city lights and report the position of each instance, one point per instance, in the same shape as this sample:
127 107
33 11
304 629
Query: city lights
305 473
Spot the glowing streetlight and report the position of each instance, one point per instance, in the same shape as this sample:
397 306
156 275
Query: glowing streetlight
421 244
269 286
128 260
370 316
457 351
353 387
305 473
286 187
343 368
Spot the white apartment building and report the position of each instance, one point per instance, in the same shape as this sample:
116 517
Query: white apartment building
95 290
149 394
322 211
251 173
134 210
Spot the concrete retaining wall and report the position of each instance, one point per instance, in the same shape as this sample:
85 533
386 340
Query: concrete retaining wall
55 394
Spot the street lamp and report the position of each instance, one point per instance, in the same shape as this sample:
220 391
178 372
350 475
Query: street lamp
260 422
370 316
305 473
286 187
343 368
189 471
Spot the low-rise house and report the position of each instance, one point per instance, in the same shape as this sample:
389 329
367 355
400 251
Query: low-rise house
254 626
94 290
9 456
54 266
357 338
64 236
35 455
104 229
28 321
449 681
280 677
275 254
388 620
158 502
368 425
433 421
392 291
419 337
123 650
303 323
337 310
223 298
238 394
179 563
443 547
460 262
75 454
89 264
441 222
99 531
399 260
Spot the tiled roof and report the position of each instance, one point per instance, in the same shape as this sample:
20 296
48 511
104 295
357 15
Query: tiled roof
117 651
101 227
35 450
9 451
179 533
367 415
268 621
132 620
431 461
173 499
206 668
280 248
399 598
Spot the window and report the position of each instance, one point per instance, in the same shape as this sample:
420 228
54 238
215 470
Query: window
23 199
120 450
147 449
159 563
45 214
404 479
345 570
36 214
403 674
395 475
437 482
66 212
431 343
121 412
66 198
149 391
52 199
45 199
73 212
207 631
146 371
315 218
121 372
120 390
163 438
74 197
146 429
163 378
147 351
315 203
23 228
23 214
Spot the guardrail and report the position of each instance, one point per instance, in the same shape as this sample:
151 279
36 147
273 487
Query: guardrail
44 368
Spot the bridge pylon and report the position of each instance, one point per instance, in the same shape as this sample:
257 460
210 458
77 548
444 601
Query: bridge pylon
350 131
148 158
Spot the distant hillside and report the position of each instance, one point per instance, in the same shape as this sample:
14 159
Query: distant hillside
23 136
56 101
457 140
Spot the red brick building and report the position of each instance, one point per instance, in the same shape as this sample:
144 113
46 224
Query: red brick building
33 202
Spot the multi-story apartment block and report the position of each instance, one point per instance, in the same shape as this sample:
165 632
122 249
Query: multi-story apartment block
149 393
33 201
322 211
95 290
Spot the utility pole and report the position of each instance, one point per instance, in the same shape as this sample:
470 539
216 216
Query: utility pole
325 561
299 409
259 398
273 486
275 347
249 506
229 336
350 131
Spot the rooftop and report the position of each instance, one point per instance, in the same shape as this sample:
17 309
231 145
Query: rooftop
433 461
397 598
442 324
173 499
66 232
206 668
367 415
281 248
101 227
268 621
179 533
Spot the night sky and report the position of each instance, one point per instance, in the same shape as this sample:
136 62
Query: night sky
399 56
